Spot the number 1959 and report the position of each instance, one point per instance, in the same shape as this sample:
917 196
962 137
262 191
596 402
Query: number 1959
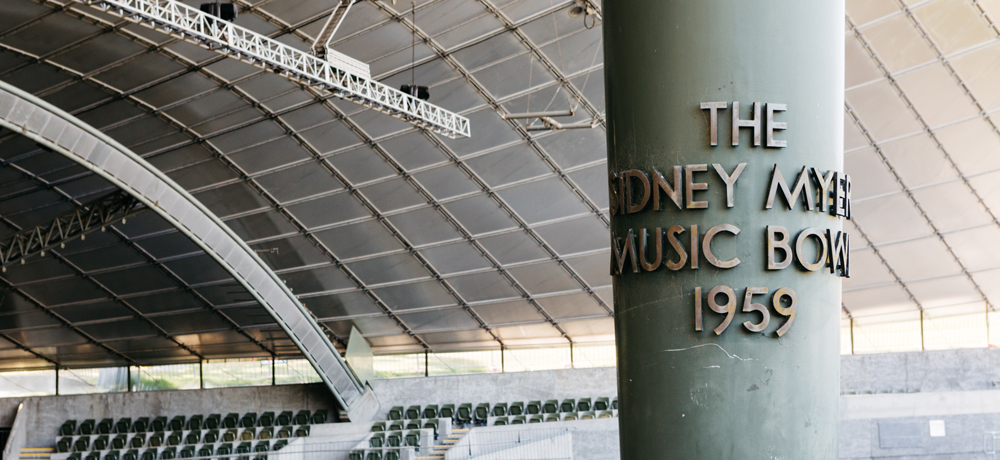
781 297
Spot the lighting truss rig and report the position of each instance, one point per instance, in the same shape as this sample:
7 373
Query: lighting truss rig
344 77
78 222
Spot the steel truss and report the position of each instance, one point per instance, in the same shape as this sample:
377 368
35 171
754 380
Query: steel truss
344 77
78 222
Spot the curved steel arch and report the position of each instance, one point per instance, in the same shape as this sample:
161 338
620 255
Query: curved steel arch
63 133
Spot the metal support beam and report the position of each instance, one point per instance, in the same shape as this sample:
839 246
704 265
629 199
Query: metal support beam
353 83
70 225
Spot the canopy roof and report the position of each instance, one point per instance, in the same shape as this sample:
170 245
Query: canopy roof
423 241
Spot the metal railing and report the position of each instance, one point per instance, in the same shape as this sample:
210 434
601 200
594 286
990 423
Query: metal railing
348 79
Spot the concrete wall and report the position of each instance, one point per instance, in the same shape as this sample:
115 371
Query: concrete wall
948 370
49 412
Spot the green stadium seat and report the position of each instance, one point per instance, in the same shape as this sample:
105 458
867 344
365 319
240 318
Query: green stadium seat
396 413
413 424
481 413
138 441
356 455
447 411
568 405
159 424
552 417
377 440
119 441
501 421
394 439
75 456
302 431
111 455
320 416
68 428
614 403
413 412
518 420
431 411
131 454
64 445
247 435
392 454
535 419
266 419
413 438
583 405
141 425
602 404
534 407
175 438
211 437
244 448
187 452
285 432
82 444
195 422
284 418
231 420
93 455
87 427
265 433
464 413
156 439
262 446
168 453
229 435
148 454
123 425
432 424
374 455
378 426
224 449
193 437
398 425
569 416
551 406
589 415
206 450
499 409
249 420
605 414
279 444
176 423
105 426
213 422
302 418
101 443
516 408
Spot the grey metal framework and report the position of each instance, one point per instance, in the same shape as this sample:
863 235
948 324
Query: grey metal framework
65 135
77 223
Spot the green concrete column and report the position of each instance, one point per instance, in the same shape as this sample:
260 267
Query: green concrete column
750 391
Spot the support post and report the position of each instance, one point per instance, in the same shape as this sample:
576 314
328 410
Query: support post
727 245
426 364
201 374
57 380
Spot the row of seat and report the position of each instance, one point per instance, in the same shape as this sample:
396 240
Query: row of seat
194 422
465 412
400 425
395 439
377 454
85 443
207 450
564 416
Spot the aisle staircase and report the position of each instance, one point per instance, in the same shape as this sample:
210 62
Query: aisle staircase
33 453
439 449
